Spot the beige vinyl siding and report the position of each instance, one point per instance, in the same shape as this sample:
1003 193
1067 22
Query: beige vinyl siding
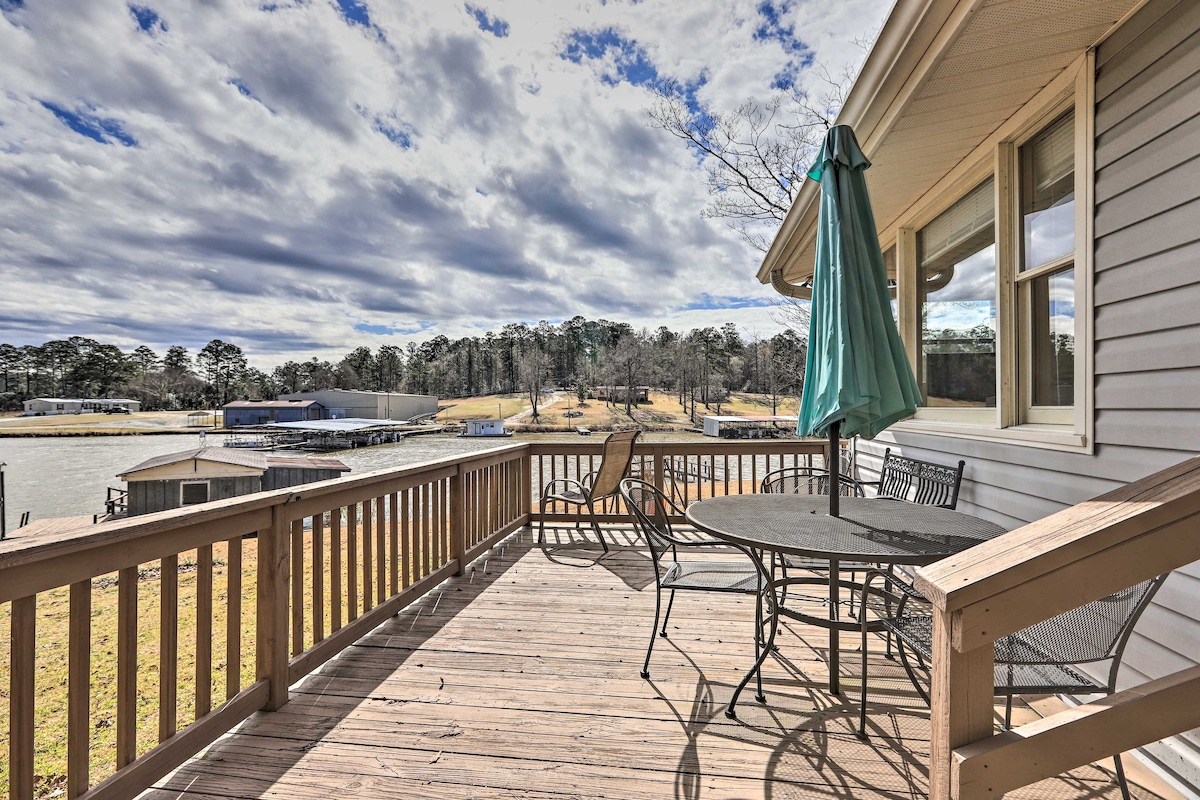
1147 331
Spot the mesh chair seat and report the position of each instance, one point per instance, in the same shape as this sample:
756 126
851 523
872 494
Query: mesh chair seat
822 564
1016 678
713 576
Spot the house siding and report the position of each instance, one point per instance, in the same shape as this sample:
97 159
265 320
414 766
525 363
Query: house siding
1147 332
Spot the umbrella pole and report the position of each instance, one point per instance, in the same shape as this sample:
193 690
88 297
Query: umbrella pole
835 467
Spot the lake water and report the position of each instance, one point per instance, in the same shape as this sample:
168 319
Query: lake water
67 476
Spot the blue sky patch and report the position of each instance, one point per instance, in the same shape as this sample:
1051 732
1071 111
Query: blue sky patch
493 25
771 28
707 302
87 124
632 64
147 19
396 133
391 330
355 12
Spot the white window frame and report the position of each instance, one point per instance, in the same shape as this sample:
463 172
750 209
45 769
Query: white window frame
1012 420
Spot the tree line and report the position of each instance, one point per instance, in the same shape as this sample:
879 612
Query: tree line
701 367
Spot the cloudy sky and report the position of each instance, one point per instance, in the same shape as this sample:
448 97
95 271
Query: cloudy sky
305 177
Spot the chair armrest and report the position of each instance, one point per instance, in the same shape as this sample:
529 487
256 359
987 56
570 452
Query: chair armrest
548 490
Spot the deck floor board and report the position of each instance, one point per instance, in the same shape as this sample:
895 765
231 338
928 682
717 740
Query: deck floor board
520 679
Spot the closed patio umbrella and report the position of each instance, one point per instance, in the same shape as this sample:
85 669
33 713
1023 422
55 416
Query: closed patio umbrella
857 378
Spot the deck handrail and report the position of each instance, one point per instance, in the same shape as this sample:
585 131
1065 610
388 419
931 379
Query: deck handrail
326 563
1063 561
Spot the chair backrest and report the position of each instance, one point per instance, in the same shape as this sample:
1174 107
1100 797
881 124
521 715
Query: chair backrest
1096 631
614 463
651 512
923 482
807 480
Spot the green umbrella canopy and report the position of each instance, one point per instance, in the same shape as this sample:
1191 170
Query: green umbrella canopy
857 371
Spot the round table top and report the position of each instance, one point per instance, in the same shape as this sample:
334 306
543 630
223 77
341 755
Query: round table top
885 531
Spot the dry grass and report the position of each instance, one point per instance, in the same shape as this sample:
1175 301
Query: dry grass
482 407
95 424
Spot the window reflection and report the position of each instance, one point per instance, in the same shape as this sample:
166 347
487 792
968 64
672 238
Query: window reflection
956 254
1053 338
1048 194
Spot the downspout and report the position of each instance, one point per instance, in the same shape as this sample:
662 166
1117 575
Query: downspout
800 291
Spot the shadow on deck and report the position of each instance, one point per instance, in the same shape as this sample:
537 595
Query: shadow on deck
520 679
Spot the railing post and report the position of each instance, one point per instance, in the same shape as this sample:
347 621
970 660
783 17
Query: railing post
458 521
659 469
961 702
525 490
274 557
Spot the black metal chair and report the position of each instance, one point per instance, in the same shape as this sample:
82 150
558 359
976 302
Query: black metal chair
1040 659
651 511
810 481
595 487
916 481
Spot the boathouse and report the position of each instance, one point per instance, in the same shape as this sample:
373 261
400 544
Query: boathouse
203 474
354 404
241 413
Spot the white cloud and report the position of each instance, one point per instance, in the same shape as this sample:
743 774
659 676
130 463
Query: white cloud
293 174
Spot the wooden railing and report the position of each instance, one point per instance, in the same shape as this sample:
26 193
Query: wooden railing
264 589
134 644
686 471
1036 572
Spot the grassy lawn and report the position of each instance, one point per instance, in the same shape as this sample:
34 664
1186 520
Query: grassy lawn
81 424
482 407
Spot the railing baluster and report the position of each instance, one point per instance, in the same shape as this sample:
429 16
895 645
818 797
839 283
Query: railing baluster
79 689
381 592
318 576
352 562
368 564
22 651
127 657
233 618
297 526
168 647
394 539
204 628
406 550
335 570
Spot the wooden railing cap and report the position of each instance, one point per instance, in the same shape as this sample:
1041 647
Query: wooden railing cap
1040 548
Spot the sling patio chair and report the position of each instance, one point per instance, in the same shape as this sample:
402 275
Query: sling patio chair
651 511
1040 659
593 488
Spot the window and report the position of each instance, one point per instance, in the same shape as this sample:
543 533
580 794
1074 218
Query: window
1046 277
956 285
995 279
193 493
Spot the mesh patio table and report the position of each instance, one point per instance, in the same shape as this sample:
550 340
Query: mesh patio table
874 531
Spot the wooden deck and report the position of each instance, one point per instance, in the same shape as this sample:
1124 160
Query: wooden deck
520 679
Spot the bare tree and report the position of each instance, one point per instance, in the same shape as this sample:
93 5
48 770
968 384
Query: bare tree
756 156
534 368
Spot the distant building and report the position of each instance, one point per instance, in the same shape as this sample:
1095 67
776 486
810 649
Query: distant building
484 427
48 406
641 394
260 412
763 427
203 474
347 403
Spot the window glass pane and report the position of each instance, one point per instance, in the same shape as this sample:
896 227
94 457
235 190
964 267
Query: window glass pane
1048 194
956 257
1053 332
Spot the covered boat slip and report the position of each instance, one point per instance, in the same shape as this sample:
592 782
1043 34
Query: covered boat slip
520 679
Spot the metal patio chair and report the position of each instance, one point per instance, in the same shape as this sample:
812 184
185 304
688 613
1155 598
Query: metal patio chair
811 481
916 481
594 487
651 511
1040 659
